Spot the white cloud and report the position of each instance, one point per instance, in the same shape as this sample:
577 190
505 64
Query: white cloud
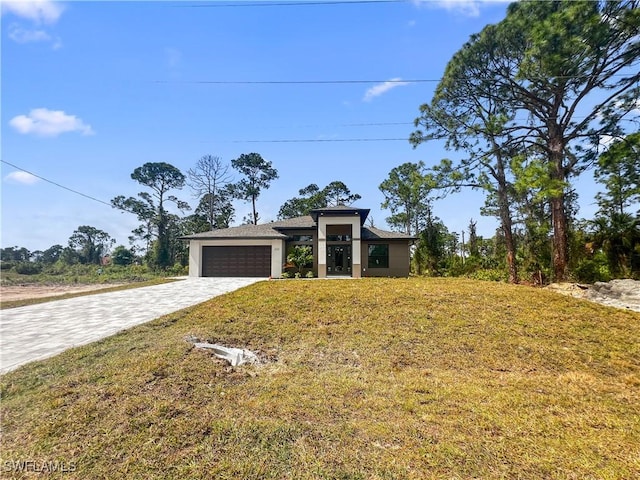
469 8
381 88
38 11
22 177
22 35
49 123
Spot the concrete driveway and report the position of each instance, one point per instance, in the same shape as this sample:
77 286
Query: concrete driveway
39 331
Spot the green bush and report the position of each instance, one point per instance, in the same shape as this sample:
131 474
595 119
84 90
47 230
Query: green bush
122 256
59 273
178 270
592 270
27 268
492 275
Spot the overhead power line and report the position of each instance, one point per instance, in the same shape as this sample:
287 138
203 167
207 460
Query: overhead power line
61 186
372 124
320 140
295 82
367 124
283 3
332 82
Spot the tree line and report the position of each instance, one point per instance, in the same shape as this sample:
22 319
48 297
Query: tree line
605 247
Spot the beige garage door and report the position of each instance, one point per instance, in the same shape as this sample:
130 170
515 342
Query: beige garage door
245 261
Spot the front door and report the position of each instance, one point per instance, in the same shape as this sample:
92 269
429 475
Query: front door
339 260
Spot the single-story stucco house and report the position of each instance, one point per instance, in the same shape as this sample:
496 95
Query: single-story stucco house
340 243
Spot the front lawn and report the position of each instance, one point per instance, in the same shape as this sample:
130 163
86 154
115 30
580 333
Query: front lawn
362 379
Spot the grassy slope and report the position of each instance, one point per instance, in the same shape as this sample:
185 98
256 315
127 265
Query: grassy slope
418 378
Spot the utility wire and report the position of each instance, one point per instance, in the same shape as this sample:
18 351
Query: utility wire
320 140
294 3
229 141
293 82
368 124
62 186
332 82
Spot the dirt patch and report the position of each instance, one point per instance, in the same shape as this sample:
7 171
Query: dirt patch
23 292
576 290
616 293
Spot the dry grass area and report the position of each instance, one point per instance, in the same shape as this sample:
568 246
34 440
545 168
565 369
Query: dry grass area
30 294
363 379
23 292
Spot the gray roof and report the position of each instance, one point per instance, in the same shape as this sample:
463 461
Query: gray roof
341 210
243 231
274 230
296 222
372 233
263 230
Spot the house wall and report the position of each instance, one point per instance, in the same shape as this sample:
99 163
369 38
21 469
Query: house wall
399 259
195 253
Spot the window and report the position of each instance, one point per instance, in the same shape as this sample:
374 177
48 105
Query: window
338 238
378 256
302 238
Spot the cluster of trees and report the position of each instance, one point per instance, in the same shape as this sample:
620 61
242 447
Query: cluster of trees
529 103
605 247
155 242
211 182
87 245
311 197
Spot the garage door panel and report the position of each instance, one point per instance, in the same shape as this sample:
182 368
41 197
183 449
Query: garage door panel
236 261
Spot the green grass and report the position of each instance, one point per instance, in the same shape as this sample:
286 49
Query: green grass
34 301
363 379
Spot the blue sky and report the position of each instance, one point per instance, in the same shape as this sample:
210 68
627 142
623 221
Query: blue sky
92 90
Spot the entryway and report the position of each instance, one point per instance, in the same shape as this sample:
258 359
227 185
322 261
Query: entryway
339 260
